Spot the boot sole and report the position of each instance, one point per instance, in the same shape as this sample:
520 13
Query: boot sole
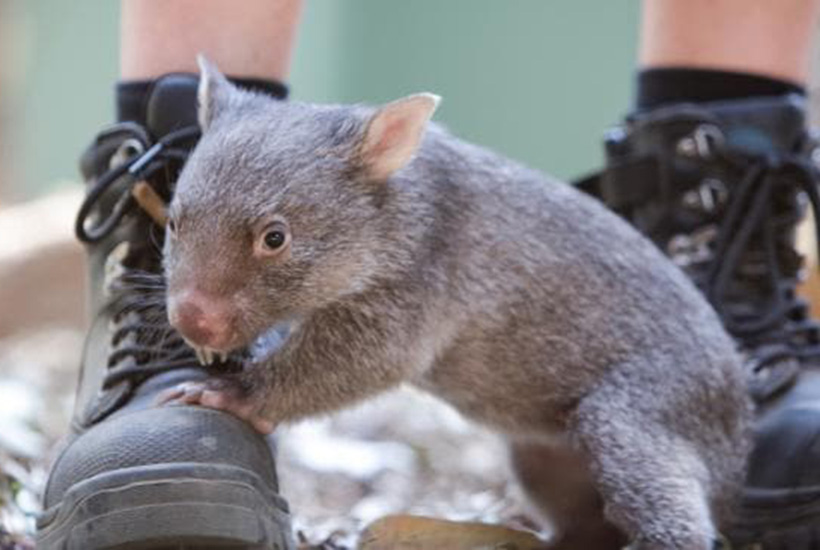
168 506
774 519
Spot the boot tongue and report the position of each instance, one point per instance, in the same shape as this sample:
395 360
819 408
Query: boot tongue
172 104
764 126
760 126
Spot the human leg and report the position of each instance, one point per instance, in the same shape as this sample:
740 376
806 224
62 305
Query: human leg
254 40
715 165
132 474
765 38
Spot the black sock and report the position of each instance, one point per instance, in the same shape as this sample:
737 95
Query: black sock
131 95
661 86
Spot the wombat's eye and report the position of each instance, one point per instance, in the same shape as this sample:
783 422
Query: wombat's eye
172 225
274 239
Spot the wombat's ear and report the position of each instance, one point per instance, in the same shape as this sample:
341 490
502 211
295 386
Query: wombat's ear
213 93
393 134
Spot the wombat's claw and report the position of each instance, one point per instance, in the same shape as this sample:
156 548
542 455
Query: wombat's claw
188 393
221 395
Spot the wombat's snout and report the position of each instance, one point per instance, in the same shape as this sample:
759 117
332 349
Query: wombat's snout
203 320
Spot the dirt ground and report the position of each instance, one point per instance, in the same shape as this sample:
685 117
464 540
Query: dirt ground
403 453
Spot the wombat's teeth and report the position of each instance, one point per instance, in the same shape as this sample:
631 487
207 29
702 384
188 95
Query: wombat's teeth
204 356
223 356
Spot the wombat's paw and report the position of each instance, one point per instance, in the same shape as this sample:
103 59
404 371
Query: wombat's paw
221 394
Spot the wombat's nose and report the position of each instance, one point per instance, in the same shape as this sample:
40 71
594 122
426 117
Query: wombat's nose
201 320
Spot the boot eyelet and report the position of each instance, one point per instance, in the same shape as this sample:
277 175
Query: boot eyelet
707 197
127 150
114 268
695 248
701 143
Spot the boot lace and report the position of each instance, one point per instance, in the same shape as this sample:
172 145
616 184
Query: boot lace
142 343
746 263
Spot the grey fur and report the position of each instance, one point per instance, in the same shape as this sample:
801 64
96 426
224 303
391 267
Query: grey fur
525 304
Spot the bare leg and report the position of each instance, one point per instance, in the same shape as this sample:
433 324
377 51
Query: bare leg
736 66
249 38
165 36
768 44
768 38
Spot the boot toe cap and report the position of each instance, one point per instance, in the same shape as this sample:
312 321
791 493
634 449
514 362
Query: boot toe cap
160 436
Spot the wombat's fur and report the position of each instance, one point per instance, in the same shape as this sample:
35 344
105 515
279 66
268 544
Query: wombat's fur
414 257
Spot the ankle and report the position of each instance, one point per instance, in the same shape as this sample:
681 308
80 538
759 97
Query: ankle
132 96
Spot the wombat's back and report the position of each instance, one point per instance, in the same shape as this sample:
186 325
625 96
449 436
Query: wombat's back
556 296
516 241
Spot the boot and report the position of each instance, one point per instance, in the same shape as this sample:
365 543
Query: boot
131 474
721 187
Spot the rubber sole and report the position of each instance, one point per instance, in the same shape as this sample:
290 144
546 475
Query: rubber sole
778 520
176 506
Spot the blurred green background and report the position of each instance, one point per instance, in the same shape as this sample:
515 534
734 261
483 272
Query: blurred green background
539 80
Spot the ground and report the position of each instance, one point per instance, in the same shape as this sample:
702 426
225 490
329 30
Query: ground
403 453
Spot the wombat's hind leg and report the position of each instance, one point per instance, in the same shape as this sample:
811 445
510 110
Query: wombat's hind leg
650 479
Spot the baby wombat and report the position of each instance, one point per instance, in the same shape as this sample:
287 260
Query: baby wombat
386 251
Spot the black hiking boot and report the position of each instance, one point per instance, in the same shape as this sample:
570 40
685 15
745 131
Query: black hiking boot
132 475
721 188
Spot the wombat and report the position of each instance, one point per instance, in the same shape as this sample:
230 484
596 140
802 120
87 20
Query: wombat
385 251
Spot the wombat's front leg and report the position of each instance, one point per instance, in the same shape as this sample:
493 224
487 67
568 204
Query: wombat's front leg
229 393
322 367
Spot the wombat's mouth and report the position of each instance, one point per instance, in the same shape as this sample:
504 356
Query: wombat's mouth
208 356
264 345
